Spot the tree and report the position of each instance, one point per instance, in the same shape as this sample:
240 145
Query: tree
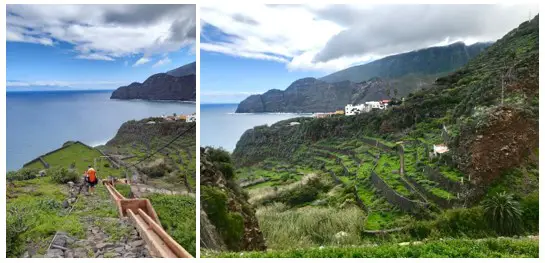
395 92
503 213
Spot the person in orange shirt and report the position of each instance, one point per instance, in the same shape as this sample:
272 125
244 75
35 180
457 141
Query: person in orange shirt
91 179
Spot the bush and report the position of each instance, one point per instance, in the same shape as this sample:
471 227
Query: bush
530 212
62 175
503 213
468 222
218 155
158 170
15 226
22 174
419 230
226 169
229 224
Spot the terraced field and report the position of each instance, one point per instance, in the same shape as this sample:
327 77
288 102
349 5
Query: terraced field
369 168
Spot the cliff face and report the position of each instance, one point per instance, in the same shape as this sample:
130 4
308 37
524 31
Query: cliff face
160 87
394 76
231 222
314 95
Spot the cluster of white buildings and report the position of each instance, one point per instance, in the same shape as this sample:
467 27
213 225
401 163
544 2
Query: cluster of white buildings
182 117
365 107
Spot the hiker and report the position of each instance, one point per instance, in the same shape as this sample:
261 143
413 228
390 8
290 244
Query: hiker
91 179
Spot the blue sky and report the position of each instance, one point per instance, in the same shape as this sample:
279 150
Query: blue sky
95 47
249 49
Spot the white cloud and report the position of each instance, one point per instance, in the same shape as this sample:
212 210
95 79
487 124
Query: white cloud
95 56
332 37
104 31
161 62
141 61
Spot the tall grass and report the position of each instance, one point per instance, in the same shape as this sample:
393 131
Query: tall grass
309 226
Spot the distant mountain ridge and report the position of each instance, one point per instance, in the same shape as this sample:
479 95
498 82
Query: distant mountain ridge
393 76
184 70
426 61
176 84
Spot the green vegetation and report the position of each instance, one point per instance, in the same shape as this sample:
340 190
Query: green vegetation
503 213
35 213
228 223
454 248
313 226
62 175
177 214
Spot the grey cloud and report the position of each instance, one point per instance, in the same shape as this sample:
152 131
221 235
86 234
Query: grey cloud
146 14
388 29
245 19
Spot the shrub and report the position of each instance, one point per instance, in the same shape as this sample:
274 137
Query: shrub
230 224
419 230
218 155
530 212
463 222
226 169
22 174
503 213
158 170
15 226
62 175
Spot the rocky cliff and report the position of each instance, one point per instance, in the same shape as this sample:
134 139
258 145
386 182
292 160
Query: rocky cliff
314 95
229 221
159 87
393 76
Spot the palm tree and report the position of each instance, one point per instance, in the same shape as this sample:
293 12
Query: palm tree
503 213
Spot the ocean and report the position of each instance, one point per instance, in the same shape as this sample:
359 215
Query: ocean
222 127
38 122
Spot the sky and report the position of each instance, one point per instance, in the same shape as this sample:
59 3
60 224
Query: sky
253 48
81 47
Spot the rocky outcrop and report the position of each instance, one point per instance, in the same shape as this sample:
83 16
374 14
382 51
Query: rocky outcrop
160 86
236 205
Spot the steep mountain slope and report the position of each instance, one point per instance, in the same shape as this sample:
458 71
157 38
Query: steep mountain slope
491 127
428 61
177 84
394 76
184 70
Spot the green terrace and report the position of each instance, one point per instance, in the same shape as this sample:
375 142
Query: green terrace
79 156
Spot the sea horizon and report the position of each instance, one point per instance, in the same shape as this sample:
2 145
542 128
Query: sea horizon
41 121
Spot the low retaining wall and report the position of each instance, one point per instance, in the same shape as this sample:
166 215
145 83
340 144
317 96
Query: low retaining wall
441 202
393 197
377 144
443 181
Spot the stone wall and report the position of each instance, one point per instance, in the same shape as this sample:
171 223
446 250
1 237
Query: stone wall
443 181
441 202
393 197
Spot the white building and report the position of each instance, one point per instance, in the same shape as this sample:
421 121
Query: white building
191 118
439 149
366 107
354 109
294 123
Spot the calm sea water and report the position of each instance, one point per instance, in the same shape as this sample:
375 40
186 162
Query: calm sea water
38 122
221 127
